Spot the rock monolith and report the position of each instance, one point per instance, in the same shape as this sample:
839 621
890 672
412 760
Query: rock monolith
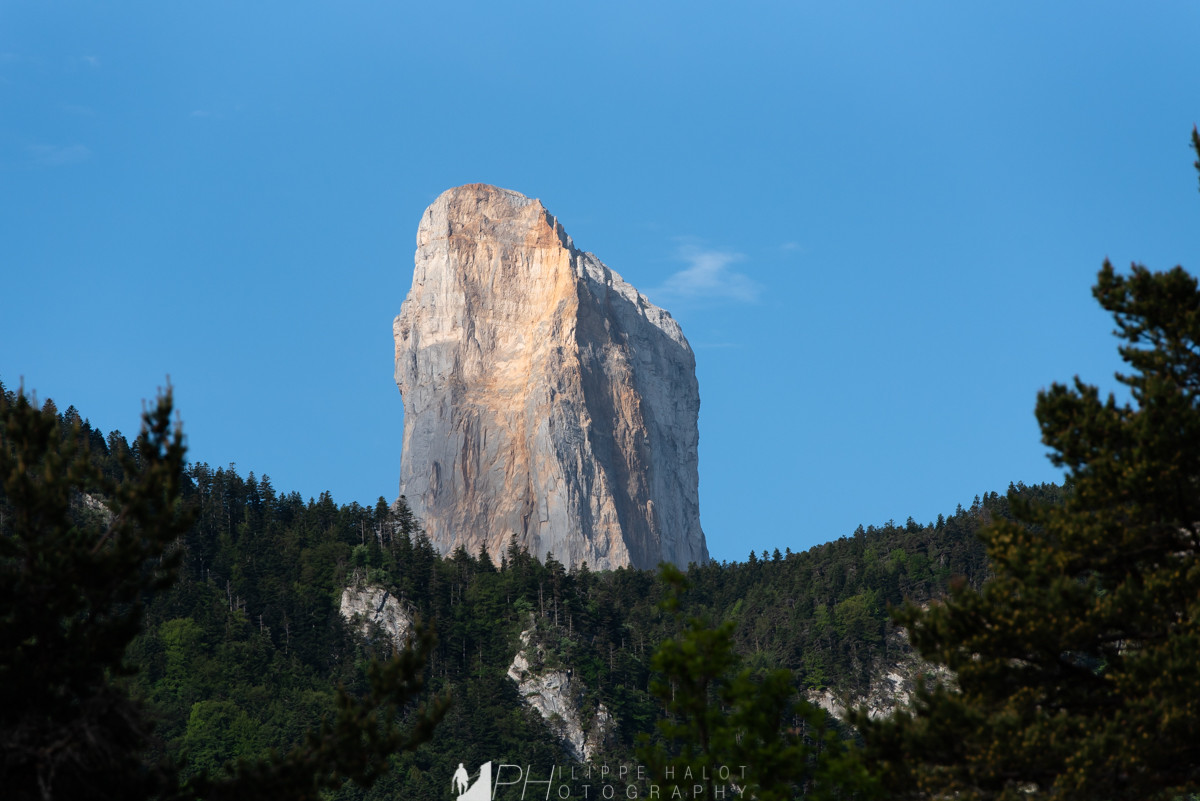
545 398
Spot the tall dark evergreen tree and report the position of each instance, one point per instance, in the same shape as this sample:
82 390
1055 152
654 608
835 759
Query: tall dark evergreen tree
1078 663
72 574
731 732
80 553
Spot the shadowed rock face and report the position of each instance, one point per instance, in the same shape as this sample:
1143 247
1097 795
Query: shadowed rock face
544 397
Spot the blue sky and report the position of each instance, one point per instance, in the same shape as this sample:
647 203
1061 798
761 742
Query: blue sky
878 223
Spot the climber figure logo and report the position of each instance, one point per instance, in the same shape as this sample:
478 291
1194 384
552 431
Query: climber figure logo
460 779
481 790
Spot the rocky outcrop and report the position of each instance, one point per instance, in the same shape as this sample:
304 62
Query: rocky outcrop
894 682
369 609
554 695
544 397
95 505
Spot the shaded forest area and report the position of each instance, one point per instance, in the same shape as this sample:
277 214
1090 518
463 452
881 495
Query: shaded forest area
245 652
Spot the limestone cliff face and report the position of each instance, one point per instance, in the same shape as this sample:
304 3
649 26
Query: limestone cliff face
371 608
894 682
544 397
556 696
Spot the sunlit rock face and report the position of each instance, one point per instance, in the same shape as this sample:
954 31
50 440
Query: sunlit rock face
544 397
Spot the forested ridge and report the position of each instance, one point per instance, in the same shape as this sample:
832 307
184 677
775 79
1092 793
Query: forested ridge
245 651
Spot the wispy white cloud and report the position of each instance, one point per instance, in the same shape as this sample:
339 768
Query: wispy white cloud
92 62
708 276
58 155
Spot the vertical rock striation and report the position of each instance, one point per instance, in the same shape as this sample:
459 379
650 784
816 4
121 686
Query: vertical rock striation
544 397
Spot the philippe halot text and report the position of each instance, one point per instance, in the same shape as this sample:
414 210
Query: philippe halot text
601 782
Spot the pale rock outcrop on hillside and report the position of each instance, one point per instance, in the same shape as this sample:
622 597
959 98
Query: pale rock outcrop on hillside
544 397
368 607
556 696
894 683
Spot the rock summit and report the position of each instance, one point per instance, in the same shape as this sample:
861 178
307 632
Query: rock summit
545 398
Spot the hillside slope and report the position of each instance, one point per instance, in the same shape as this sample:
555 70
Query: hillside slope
244 653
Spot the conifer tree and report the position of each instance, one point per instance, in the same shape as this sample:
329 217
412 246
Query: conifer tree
72 575
1078 664
80 551
731 733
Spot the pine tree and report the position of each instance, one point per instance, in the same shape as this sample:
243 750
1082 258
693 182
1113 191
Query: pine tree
731 733
1078 664
80 551
72 575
